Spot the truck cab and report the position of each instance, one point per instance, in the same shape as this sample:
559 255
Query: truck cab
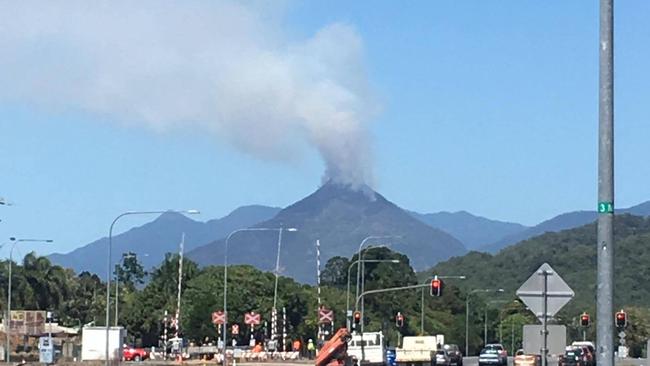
368 348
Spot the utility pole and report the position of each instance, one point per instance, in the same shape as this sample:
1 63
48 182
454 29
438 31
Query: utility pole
605 245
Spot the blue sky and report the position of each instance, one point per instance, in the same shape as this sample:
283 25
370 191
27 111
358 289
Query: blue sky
489 107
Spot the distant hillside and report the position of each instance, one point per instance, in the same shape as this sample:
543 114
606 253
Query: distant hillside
152 240
572 253
340 218
473 231
561 222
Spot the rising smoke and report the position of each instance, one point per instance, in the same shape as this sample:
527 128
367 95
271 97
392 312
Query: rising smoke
222 67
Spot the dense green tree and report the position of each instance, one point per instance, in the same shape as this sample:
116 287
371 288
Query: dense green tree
335 273
129 272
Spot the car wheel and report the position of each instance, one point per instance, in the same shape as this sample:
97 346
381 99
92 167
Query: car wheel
137 358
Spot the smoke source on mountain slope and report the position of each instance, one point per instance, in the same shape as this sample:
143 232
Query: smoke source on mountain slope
226 68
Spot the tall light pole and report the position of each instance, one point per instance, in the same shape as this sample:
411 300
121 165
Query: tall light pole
225 276
500 290
485 328
422 297
362 264
605 245
363 242
348 313
8 318
108 263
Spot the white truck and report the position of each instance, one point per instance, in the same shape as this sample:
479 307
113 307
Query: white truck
418 350
368 348
93 343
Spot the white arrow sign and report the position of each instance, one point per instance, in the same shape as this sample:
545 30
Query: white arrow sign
558 293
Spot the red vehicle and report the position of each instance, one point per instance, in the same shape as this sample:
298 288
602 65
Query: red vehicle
134 354
334 351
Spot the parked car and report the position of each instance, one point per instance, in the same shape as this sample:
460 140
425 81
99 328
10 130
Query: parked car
454 354
491 357
522 359
134 354
441 358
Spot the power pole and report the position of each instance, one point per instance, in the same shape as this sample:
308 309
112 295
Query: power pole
605 245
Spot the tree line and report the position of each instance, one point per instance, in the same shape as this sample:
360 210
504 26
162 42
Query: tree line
145 295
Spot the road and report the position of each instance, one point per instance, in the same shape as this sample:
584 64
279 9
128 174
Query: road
473 361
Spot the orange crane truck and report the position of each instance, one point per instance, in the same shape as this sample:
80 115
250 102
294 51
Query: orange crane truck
334 351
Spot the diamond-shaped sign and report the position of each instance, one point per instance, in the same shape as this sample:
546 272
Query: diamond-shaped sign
558 293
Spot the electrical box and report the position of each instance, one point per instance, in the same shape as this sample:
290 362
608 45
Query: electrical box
45 350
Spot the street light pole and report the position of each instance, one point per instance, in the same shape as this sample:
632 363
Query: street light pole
363 242
225 277
422 297
381 290
108 265
485 319
467 313
8 318
347 296
362 263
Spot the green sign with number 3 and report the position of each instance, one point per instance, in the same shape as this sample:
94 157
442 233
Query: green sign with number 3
605 207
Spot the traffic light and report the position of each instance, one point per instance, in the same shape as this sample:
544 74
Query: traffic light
621 319
399 320
584 320
436 287
357 317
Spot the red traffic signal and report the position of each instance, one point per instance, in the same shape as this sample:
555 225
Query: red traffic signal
621 319
584 320
357 317
436 287
399 320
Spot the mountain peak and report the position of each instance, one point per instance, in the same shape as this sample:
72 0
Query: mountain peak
343 190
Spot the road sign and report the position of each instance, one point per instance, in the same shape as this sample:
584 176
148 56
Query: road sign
605 207
252 318
558 293
218 317
235 329
532 342
325 315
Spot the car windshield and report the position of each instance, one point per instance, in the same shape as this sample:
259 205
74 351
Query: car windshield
489 351
440 353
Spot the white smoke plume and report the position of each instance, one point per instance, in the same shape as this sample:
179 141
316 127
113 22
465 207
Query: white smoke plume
227 68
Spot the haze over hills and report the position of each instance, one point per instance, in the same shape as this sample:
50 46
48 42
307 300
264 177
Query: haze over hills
152 240
560 222
473 231
340 217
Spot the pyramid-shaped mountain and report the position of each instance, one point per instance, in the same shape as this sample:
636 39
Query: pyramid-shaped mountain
339 217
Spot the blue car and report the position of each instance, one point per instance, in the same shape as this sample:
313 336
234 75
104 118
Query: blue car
390 357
